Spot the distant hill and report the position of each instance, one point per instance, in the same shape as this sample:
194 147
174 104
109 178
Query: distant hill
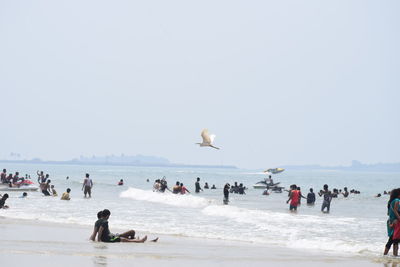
355 166
122 160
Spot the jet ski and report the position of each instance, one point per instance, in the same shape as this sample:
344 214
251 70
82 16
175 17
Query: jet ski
264 185
19 188
275 170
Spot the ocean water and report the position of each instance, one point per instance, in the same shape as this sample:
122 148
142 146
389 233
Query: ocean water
355 225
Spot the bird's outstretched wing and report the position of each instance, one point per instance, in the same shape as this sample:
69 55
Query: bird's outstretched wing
212 137
206 136
214 147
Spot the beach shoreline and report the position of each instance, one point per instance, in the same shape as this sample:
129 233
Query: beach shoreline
39 243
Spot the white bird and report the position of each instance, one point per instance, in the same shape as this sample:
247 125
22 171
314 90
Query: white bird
207 139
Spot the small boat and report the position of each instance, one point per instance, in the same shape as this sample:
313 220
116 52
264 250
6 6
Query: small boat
20 188
264 185
275 171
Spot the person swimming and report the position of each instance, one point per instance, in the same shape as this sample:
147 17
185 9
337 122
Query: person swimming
121 182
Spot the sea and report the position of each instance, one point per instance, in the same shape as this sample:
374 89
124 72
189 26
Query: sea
355 225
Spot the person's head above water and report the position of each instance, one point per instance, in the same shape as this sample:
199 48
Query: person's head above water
68 190
24 194
121 180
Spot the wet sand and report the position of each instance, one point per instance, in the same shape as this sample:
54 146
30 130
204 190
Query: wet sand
37 243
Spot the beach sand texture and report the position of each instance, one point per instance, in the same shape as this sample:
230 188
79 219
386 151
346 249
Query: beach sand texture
36 243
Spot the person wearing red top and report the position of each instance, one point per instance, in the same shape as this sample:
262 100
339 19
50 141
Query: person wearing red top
294 197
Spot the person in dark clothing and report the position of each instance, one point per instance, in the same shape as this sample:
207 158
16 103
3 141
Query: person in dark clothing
3 202
311 197
197 186
226 194
241 189
104 234
4 176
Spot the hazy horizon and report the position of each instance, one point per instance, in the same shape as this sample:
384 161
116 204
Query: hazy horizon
278 83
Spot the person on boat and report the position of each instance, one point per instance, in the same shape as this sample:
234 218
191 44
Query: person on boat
3 202
326 203
311 197
15 178
65 195
294 196
4 176
9 178
53 191
177 188
226 193
121 182
184 189
104 234
269 180
213 186
197 185
87 186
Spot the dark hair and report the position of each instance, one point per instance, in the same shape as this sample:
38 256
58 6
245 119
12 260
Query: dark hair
181 184
106 213
311 189
87 175
325 186
177 182
24 193
99 214
5 196
68 190
4 170
394 194
48 181
198 178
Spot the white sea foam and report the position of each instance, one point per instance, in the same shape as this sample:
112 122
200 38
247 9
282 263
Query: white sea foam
166 198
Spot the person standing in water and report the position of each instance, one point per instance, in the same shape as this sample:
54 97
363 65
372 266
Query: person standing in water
226 193
326 203
311 197
197 185
87 186
294 197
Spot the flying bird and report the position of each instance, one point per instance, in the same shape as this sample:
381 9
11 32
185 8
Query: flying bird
207 139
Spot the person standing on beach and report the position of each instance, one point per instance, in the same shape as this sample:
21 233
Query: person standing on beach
87 186
393 222
326 203
226 193
294 197
197 185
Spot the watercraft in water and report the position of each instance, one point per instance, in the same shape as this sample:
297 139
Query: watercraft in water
275 170
264 185
24 187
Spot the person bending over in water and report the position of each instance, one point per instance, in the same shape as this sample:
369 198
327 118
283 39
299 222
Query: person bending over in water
104 234
327 199
3 202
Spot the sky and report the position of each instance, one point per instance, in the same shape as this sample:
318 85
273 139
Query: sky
277 82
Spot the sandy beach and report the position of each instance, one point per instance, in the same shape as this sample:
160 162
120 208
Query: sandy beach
37 243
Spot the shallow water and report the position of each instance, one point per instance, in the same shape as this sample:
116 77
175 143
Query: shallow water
355 225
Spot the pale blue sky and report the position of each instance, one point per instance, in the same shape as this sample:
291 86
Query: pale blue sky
278 82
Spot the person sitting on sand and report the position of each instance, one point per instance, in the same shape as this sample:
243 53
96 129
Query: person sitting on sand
53 191
104 234
3 202
97 225
65 195
184 189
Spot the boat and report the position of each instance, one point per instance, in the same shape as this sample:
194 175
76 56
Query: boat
264 185
275 170
19 188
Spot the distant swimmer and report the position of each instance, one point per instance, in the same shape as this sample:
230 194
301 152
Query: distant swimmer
294 196
104 234
184 189
226 194
213 186
326 203
3 202
67 178
265 193
345 193
24 195
311 197
53 191
197 185
65 195
206 186
87 186
378 195
177 188
121 182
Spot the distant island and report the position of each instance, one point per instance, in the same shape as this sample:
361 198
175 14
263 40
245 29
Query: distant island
122 160
355 166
